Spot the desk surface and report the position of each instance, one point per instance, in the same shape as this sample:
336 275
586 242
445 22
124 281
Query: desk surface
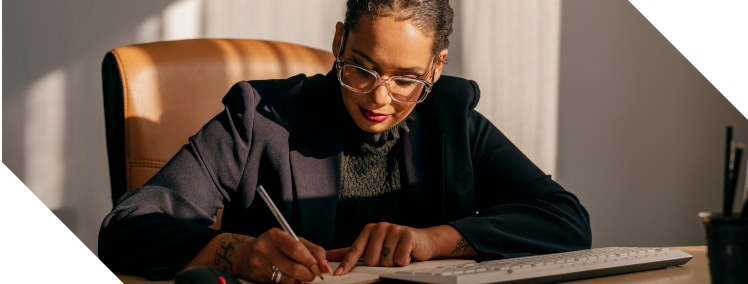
695 271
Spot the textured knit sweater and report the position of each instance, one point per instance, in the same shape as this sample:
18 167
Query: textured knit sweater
370 187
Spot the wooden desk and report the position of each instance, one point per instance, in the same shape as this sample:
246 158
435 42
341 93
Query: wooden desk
695 271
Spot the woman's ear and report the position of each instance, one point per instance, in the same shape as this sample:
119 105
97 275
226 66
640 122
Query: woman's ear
440 64
337 40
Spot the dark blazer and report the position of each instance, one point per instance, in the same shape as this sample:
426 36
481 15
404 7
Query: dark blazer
286 135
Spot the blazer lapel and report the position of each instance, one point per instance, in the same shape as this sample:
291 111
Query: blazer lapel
316 157
316 178
423 152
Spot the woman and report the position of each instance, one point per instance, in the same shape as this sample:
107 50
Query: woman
360 163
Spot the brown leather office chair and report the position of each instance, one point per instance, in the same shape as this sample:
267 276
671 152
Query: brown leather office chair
157 95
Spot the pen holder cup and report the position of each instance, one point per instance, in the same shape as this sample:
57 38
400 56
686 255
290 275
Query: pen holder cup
727 244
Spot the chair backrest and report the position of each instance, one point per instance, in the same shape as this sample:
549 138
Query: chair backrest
157 95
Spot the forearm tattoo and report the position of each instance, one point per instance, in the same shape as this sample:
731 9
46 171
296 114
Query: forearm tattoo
385 251
226 250
462 246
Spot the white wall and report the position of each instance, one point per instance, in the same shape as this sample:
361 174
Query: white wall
641 131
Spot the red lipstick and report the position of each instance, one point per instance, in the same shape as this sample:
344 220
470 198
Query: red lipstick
373 116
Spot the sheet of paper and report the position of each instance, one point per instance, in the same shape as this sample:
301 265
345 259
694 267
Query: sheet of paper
362 274
360 278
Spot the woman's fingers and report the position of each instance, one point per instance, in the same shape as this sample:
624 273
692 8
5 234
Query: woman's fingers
290 267
336 254
319 254
391 245
260 268
381 244
297 252
284 278
374 247
354 252
407 242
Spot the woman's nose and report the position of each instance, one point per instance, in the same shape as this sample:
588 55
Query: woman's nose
380 96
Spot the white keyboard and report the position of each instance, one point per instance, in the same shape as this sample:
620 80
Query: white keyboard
549 267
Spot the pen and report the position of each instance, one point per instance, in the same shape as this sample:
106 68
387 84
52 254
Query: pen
728 197
735 177
277 214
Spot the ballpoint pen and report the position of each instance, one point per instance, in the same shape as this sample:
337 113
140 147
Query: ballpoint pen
729 164
278 215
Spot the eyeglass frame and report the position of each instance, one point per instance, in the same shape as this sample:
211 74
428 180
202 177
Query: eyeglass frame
380 82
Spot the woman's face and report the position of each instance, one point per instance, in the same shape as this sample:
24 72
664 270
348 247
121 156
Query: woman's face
391 48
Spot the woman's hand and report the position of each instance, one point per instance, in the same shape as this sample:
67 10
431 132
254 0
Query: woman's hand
253 258
297 260
385 244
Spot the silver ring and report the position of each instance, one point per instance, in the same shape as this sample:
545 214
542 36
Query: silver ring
276 276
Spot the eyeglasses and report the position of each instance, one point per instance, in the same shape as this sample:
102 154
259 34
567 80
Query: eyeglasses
357 78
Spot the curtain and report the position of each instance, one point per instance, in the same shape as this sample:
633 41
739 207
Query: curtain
511 48
310 23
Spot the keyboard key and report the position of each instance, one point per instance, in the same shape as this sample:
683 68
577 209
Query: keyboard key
425 273
534 269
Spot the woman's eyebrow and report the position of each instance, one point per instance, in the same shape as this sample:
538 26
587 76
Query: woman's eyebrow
416 70
362 54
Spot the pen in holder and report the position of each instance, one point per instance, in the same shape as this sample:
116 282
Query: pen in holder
727 233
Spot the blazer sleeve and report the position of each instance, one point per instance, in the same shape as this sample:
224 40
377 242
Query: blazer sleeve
156 229
522 211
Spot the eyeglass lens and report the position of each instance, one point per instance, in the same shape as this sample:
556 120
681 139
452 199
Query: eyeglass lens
401 88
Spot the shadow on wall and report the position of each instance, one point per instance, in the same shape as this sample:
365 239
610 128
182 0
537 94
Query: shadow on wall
53 122
68 216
